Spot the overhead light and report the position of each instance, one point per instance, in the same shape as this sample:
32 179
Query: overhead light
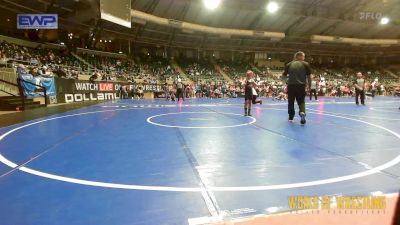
8 20
120 52
385 20
211 4
272 7
101 40
109 41
62 43
269 58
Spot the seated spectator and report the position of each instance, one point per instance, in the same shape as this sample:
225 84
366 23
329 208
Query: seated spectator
3 60
94 77
217 92
34 71
34 61
21 71
44 72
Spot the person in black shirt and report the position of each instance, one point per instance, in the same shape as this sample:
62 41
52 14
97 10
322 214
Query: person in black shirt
298 72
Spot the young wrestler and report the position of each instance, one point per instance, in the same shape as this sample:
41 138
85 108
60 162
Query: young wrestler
248 92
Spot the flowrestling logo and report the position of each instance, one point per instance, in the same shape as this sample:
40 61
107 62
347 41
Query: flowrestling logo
37 21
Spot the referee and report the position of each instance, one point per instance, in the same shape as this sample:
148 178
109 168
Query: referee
298 72
359 84
179 90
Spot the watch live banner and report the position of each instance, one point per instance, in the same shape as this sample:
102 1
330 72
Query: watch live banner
77 90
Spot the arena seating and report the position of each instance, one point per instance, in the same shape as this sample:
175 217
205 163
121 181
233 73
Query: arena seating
200 70
155 69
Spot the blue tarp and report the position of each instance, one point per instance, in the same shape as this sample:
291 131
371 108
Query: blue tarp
31 90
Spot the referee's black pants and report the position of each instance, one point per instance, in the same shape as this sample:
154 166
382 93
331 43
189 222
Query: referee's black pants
179 94
313 92
296 92
360 94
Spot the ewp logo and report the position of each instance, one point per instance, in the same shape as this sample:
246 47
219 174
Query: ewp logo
37 21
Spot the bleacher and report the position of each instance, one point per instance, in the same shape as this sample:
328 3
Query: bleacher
59 62
201 71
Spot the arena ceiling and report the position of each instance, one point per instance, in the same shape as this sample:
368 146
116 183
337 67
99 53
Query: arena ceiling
298 19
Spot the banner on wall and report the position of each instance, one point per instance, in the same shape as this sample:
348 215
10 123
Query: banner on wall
79 91
31 90
37 21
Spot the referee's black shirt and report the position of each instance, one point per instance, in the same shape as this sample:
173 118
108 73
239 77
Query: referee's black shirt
299 72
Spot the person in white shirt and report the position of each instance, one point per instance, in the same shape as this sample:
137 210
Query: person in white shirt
374 86
179 90
255 94
359 85
322 86
313 88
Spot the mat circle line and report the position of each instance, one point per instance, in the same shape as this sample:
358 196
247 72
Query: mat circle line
149 120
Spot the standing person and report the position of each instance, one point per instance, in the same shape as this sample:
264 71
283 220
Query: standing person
140 92
166 91
342 89
193 90
179 90
171 90
223 89
313 88
322 86
208 90
133 90
255 94
299 72
198 90
248 92
339 89
374 86
359 85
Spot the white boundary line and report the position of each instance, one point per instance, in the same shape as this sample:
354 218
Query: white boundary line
395 110
253 120
344 114
371 171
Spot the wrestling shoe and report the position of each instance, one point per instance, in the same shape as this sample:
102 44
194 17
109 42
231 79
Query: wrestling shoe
303 118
